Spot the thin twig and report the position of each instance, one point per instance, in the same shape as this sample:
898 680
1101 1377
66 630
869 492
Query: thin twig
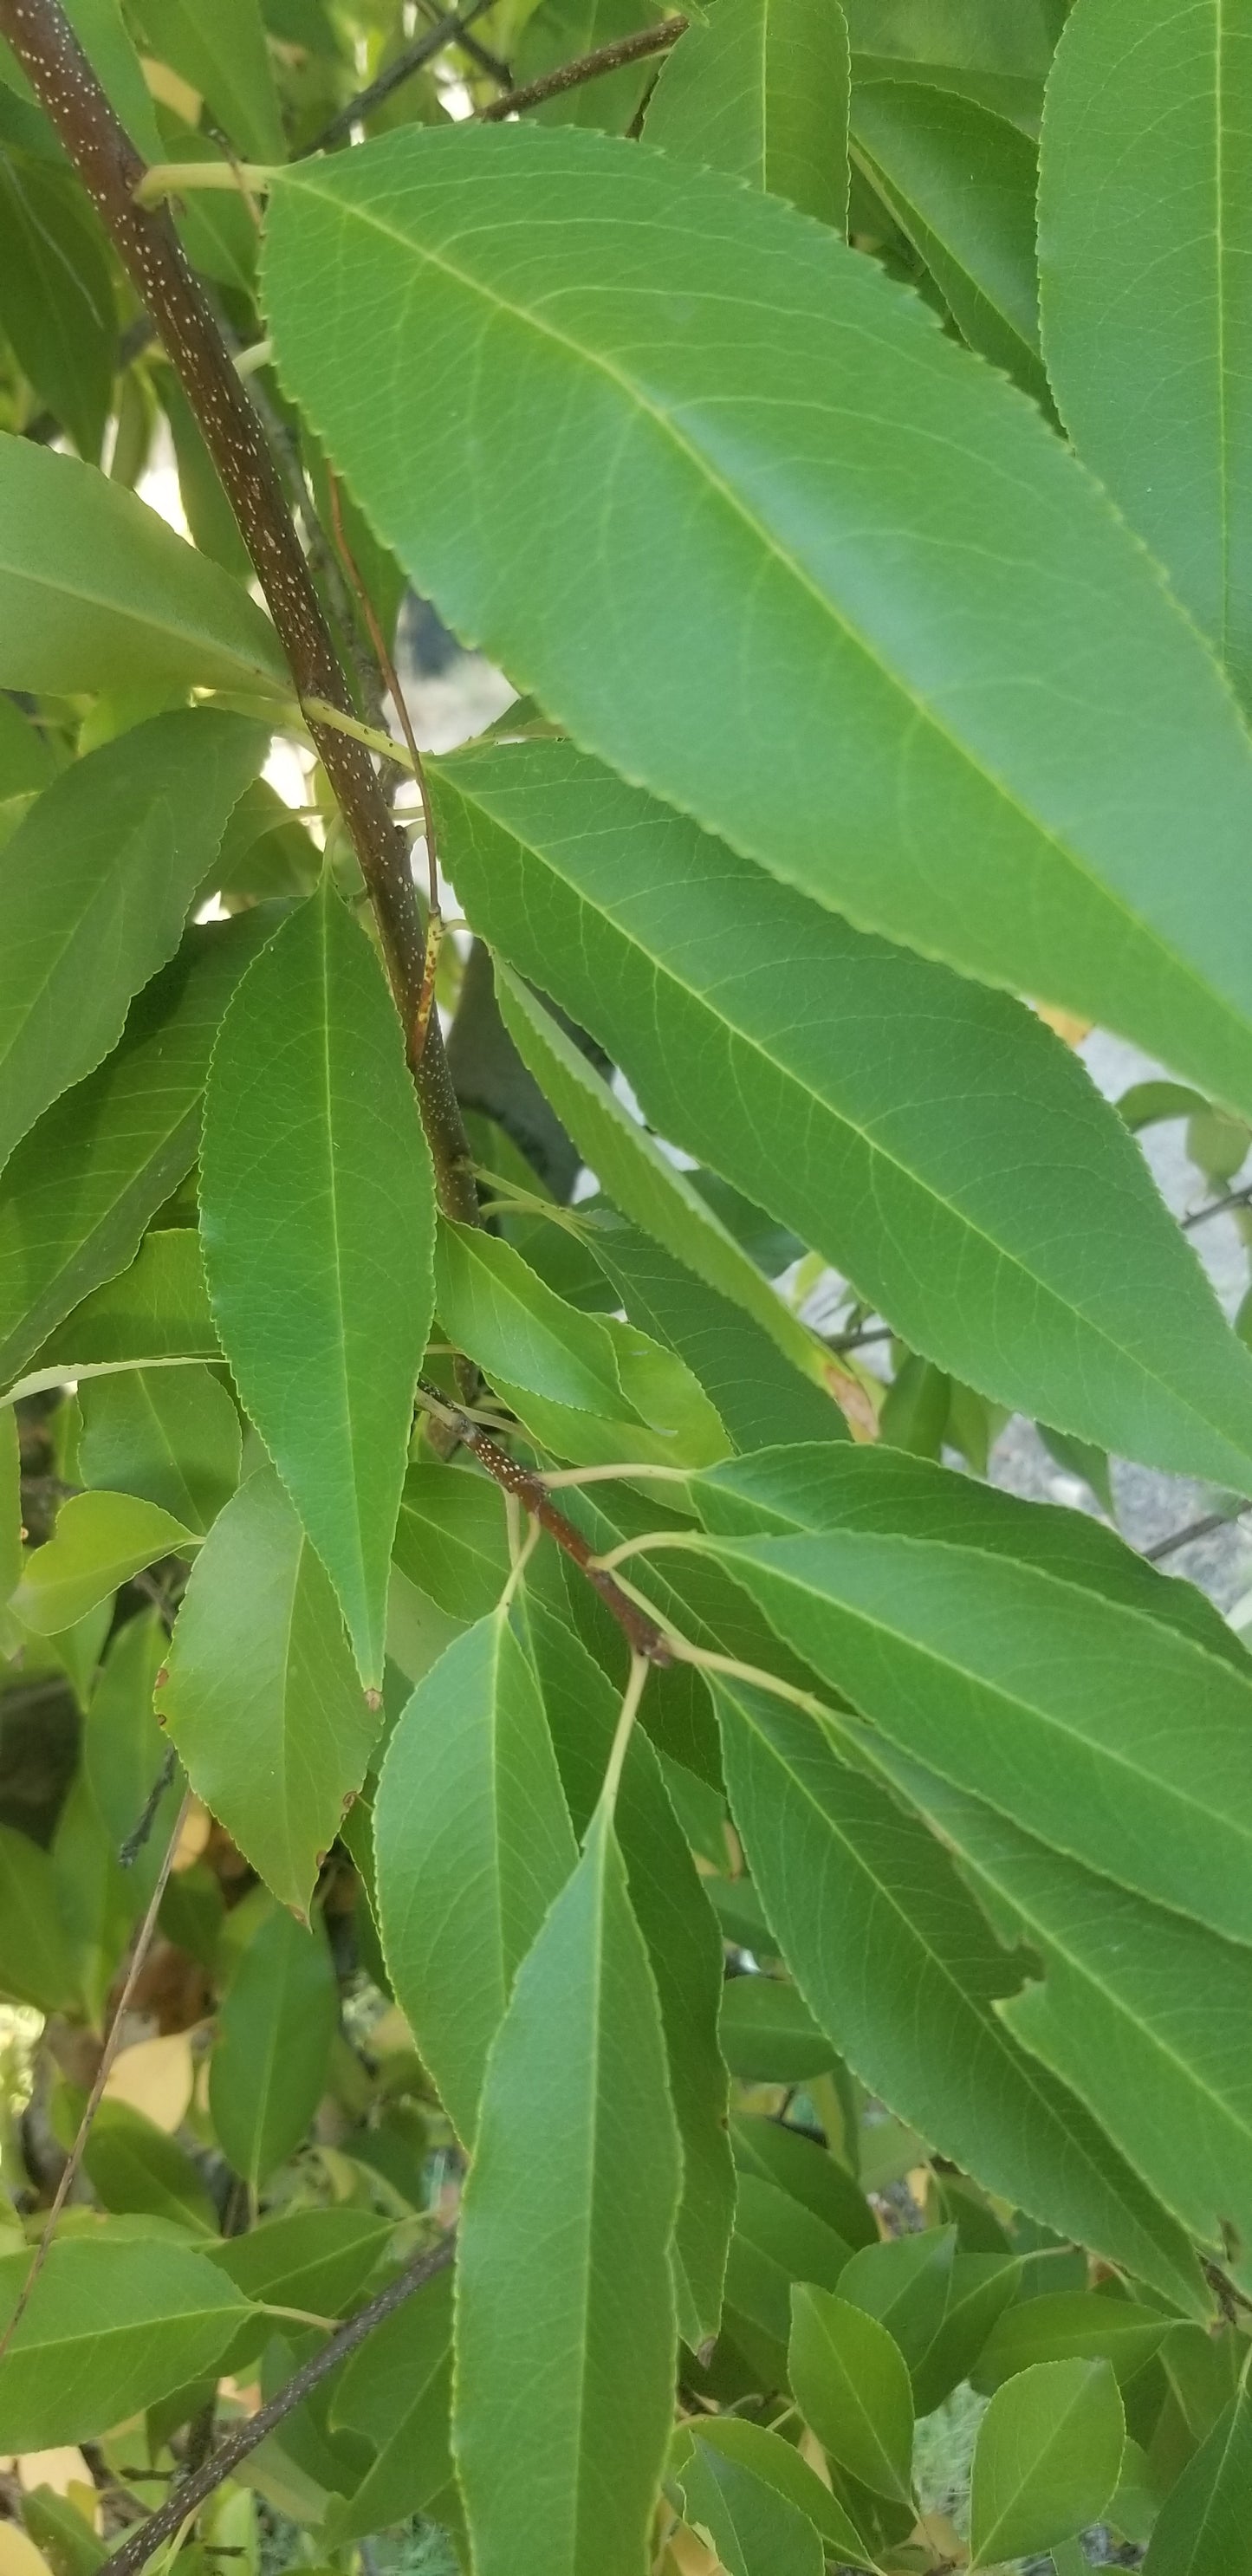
221 2463
1205 1528
73 2161
586 67
642 1633
111 169
1217 1207
446 31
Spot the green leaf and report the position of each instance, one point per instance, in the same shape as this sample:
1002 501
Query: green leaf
878 1490
982 2286
94 890
771 2459
123 1750
768 2034
960 181
758 1394
902 1970
945 1151
961 708
1144 232
132 2165
1071 2325
642 1181
565 2332
169 1435
111 2325
1202 2528
57 305
586 1386
100 1540
472 1843
974 34
97 592
1139 2010
1047 2459
682 1939
558 31
156 1311
224 55
905 2284
96 1898
320 2259
275 2027
760 88
795 2161
79 1189
318 1207
852 2388
261 1697
777 2242
1092 1726
451 1539
397 2392
755 2531
35 1963
11 1527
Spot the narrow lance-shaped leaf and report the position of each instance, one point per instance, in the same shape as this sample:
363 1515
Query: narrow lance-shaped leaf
935 681
261 1697
1145 233
1092 1726
1202 2529
318 1215
565 2333
97 592
683 1943
275 2027
1142 2012
642 1180
961 183
77 1192
901 1967
760 88
95 887
852 2388
56 295
944 1150
472 1843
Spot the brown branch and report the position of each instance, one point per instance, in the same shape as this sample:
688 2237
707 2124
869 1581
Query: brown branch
73 2162
642 1633
446 31
111 169
587 67
221 2463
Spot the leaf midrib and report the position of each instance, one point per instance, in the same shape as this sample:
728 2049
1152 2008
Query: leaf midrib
662 421
760 1047
1029 1709
1016 2058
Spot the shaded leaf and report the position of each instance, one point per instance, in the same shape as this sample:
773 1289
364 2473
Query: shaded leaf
397 2392
123 1751
56 295
224 56
769 2035
760 88
472 1843
94 890
35 1963
451 1539
157 1310
171 1436
767 2456
1071 2325
132 2165
318 1205
261 1697
852 2388
275 2027
1202 2528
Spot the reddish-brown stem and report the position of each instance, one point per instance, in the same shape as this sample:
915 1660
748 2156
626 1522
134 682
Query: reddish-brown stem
642 1634
110 168
586 67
